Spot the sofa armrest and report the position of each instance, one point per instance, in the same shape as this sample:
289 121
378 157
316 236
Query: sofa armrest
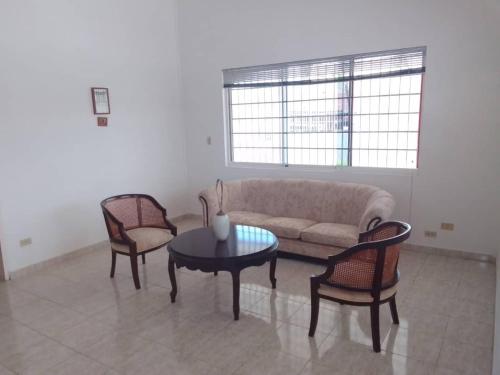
379 208
208 200
233 200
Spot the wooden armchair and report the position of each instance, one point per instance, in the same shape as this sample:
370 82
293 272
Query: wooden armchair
137 224
363 275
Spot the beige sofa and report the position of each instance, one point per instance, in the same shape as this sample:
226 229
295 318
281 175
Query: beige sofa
311 218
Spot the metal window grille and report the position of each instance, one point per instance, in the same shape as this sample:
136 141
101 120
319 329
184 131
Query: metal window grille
358 110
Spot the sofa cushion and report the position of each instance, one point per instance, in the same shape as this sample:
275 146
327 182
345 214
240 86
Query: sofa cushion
334 234
146 238
247 218
287 227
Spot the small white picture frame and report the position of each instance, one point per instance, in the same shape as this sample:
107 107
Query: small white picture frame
100 101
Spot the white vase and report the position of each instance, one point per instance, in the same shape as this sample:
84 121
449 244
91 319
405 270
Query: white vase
220 226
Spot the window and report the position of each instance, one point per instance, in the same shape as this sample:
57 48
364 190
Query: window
360 110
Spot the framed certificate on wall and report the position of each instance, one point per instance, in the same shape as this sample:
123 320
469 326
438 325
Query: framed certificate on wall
100 101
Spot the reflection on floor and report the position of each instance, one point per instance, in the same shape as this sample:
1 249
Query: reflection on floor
73 319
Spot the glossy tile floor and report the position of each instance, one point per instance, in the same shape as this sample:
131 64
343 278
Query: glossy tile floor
71 318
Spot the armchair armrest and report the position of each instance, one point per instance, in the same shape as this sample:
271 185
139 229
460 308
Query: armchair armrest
370 264
116 229
163 212
344 256
171 226
354 268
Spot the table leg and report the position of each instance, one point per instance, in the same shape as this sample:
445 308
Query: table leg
272 271
171 274
236 294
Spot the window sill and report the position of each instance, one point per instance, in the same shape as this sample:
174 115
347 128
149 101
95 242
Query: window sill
326 169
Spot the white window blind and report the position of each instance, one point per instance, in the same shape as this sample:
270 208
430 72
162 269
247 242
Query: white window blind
359 110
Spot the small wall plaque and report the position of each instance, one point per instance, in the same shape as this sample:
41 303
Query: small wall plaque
100 101
102 121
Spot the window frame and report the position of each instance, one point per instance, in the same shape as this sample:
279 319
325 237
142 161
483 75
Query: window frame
228 132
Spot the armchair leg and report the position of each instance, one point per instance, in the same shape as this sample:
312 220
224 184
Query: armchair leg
143 258
394 310
375 322
314 313
135 271
113 264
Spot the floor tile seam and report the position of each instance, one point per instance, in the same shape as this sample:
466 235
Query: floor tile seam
279 322
469 343
99 311
430 364
318 329
266 294
252 312
440 353
59 304
65 278
413 357
44 298
248 359
426 333
52 339
149 343
347 372
304 366
335 329
83 355
29 325
133 320
42 273
16 288
97 315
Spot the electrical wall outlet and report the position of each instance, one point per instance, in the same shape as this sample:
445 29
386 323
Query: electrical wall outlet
25 242
430 234
447 226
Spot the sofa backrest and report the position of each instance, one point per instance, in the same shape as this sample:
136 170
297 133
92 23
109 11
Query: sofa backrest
322 201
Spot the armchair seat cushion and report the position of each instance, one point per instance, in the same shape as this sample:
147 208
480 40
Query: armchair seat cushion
353 296
146 238
287 227
248 218
341 235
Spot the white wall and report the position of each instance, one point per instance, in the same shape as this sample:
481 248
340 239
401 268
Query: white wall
459 176
56 165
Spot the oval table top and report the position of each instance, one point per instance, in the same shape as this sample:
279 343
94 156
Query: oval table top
242 241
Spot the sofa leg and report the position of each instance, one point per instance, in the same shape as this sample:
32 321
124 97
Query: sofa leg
143 258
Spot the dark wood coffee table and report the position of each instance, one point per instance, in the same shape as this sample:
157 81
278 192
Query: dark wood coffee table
199 249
